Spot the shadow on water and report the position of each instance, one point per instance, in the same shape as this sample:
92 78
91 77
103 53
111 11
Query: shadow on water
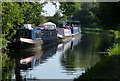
67 60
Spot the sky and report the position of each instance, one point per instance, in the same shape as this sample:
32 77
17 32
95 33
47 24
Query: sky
50 9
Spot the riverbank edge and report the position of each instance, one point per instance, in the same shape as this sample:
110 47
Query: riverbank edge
108 69
84 30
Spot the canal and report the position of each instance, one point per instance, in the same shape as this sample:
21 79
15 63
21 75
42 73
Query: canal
66 60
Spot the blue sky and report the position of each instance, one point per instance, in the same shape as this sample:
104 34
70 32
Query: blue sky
50 9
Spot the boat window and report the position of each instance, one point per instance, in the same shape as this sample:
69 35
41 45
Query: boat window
24 33
38 34
50 26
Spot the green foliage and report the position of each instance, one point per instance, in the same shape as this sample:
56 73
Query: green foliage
11 16
105 15
69 8
15 14
117 34
57 18
114 50
86 15
7 67
32 12
3 41
108 15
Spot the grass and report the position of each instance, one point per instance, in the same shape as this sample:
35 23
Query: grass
92 29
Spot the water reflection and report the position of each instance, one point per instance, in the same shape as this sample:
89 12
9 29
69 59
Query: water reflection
67 60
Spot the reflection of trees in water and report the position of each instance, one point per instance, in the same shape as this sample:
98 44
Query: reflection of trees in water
7 67
85 54
68 60
39 56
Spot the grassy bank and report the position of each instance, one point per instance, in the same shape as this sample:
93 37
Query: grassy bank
85 30
108 69
92 29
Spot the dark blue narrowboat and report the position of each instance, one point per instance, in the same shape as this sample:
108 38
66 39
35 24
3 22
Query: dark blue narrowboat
30 37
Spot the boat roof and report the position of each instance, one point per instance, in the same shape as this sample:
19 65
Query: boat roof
50 23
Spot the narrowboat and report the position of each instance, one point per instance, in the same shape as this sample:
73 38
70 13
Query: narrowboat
68 29
29 37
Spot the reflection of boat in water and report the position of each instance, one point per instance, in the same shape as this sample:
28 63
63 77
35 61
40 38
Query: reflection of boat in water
69 44
40 58
48 52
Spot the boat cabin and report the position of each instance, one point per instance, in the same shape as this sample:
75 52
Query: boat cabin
29 34
73 23
50 25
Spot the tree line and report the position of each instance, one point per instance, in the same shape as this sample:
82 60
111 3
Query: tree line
91 14
15 14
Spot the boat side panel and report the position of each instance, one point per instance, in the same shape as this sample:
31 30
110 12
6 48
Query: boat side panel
75 30
49 35
60 31
36 34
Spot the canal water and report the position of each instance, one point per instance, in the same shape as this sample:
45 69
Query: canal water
66 60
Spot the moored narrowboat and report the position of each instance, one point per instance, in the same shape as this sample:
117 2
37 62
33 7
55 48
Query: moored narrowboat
68 29
29 37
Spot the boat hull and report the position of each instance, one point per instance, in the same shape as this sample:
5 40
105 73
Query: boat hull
67 34
25 38
20 45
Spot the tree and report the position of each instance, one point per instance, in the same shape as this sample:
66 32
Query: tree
86 15
108 15
56 18
12 19
32 12
15 14
69 8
